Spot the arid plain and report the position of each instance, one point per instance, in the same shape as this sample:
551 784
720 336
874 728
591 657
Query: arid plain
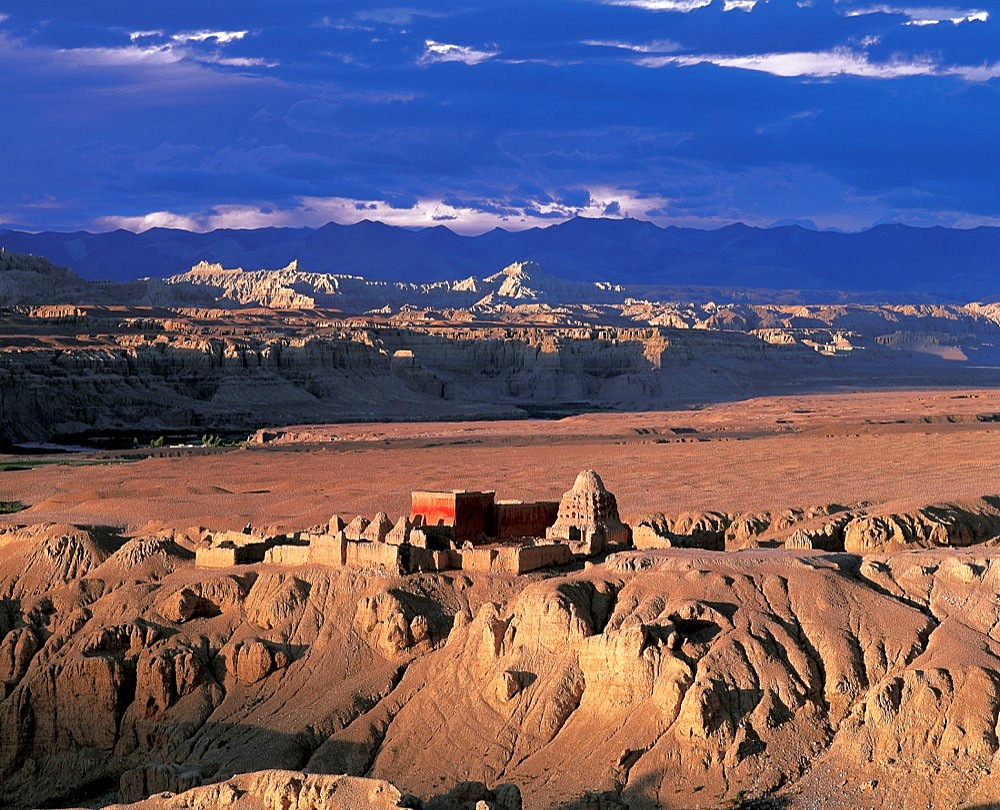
915 446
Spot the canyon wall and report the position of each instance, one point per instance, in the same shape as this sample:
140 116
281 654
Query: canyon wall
153 381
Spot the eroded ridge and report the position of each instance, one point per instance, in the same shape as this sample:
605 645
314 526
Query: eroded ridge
657 677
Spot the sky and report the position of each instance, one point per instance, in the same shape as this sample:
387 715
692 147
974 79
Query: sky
475 115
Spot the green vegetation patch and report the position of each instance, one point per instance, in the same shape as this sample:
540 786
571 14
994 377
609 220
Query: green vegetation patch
31 462
10 507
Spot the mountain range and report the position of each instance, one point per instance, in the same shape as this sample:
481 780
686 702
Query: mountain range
883 263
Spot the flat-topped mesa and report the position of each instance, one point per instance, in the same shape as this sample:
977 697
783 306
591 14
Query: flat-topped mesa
588 515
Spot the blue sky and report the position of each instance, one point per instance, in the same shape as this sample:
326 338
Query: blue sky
485 114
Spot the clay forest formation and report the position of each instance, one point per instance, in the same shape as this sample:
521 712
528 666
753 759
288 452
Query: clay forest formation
509 538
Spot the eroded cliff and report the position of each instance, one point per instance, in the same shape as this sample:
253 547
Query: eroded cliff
669 678
231 351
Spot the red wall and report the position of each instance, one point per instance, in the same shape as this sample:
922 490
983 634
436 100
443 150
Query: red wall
436 508
525 519
473 515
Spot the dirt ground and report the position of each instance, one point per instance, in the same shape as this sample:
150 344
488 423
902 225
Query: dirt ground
922 446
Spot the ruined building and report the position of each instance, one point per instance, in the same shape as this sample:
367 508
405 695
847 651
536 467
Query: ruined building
588 516
459 530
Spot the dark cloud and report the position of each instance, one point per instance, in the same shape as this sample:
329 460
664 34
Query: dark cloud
126 109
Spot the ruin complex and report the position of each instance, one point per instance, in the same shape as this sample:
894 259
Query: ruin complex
458 530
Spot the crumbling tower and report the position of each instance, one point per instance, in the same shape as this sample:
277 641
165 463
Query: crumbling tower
588 515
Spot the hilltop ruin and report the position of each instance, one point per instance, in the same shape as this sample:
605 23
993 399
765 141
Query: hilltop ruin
445 531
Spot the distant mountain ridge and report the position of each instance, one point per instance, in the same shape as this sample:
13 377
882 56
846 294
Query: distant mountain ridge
30 280
890 260
290 287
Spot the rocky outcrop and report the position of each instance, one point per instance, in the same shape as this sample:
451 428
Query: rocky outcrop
27 280
186 377
280 790
42 557
705 530
926 527
819 527
662 678
293 288
647 693
200 355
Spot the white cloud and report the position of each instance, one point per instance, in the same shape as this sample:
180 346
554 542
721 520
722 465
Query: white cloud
469 219
468 222
156 219
829 64
445 52
975 16
925 15
150 55
974 73
238 61
682 6
135 36
154 56
129 55
223 216
541 61
656 46
662 5
426 212
221 37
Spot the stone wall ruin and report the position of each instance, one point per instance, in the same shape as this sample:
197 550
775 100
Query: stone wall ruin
458 530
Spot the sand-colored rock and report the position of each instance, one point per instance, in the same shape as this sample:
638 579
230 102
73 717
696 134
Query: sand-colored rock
253 662
599 654
705 530
101 357
282 790
745 530
660 678
378 530
276 790
926 527
17 648
383 622
671 678
181 605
